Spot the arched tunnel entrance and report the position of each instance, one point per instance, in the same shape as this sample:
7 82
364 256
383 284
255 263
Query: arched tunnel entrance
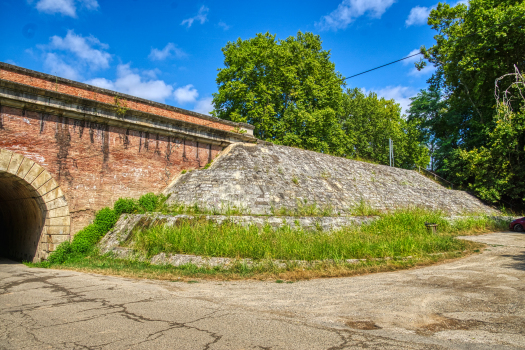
34 216
22 216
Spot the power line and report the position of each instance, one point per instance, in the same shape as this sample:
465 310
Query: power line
420 53
384 65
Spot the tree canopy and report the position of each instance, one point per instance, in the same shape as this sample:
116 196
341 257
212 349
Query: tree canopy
458 112
290 91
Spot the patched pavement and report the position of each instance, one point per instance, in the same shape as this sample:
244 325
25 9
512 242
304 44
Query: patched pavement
473 303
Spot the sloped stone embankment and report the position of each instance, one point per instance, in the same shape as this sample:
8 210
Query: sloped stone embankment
263 178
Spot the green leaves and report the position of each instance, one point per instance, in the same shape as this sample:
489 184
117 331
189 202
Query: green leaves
471 145
370 121
289 90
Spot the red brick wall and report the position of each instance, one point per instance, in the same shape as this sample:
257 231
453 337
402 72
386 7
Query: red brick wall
95 96
96 164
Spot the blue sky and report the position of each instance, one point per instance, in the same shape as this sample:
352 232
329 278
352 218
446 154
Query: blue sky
169 51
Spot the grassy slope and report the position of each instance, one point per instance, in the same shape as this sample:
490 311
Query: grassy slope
398 234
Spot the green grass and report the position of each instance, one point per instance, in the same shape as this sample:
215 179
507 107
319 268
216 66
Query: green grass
95 263
396 234
400 234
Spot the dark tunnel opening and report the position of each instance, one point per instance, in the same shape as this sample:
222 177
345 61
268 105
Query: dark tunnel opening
22 218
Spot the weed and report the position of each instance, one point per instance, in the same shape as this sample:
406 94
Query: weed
295 180
325 174
184 171
279 281
363 208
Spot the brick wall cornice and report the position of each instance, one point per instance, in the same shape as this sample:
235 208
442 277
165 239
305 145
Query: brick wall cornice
54 79
41 100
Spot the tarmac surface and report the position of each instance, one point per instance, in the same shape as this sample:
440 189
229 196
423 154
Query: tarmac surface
473 303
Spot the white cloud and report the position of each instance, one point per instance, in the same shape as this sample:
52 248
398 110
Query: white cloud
204 105
186 94
152 73
168 51
401 94
418 16
102 83
131 83
64 7
56 66
349 10
202 16
82 48
224 25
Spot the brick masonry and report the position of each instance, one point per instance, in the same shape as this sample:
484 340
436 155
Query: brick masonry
64 86
95 164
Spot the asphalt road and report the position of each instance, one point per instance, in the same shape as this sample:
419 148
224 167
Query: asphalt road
472 303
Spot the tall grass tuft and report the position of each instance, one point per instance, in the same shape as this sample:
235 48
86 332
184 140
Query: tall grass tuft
397 234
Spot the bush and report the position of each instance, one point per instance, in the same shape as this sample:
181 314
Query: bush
85 240
149 201
61 254
105 219
125 206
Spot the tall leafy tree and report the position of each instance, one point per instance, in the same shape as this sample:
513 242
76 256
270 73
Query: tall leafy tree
475 45
370 121
288 89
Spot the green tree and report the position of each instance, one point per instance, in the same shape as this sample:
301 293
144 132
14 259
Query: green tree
288 89
475 44
370 122
458 115
496 171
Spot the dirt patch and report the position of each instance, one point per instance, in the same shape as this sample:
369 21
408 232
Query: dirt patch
445 324
363 325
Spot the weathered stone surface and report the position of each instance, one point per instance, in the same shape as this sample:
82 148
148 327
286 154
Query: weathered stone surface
265 176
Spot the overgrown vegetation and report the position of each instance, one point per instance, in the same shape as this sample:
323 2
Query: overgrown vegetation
476 140
397 234
188 273
400 235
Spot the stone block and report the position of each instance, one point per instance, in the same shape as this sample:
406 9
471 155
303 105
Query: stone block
56 203
59 212
41 179
55 240
25 167
48 186
58 230
33 173
14 164
5 159
59 221
52 195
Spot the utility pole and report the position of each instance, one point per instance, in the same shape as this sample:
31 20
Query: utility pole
391 151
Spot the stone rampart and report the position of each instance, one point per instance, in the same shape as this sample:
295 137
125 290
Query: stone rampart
264 178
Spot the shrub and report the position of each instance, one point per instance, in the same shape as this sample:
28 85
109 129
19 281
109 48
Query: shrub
105 219
61 254
85 240
125 206
149 201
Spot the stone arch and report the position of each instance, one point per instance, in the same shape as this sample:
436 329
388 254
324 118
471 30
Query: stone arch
34 213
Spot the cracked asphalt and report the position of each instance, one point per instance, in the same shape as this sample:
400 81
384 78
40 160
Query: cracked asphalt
473 303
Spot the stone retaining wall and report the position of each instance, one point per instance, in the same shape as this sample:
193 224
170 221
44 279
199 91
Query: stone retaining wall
263 178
